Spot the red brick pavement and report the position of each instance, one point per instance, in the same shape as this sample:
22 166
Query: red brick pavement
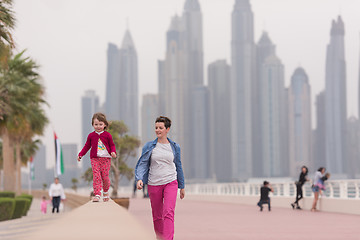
196 220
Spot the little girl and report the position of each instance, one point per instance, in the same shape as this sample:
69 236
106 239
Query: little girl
43 205
102 149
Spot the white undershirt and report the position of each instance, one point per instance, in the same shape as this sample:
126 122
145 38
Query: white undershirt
101 149
162 166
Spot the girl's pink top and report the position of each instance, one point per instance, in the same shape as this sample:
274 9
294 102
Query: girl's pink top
92 142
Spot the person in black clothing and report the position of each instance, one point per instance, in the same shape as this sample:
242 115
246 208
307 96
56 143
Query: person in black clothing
299 184
264 195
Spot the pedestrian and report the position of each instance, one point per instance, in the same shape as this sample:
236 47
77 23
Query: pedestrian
159 166
315 187
299 184
264 195
43 205
102 149
57 194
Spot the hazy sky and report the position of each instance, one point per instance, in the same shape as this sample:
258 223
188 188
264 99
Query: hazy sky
69 39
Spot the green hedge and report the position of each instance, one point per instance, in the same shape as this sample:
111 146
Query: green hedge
30 197
27 204
27 196
20 207
7 207
7 194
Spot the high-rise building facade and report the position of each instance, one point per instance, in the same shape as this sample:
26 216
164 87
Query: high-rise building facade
219 112
319 150
149 112
112 83
122 84
299 115
71 165
89 106
194 69
180 78
172 79
335 100
353 148
128 66
273 117
242 76
200 165
264 49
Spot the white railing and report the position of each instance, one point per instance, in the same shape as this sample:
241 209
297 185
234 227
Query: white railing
343 189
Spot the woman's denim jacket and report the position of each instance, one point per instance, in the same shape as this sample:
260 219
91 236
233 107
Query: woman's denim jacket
143 165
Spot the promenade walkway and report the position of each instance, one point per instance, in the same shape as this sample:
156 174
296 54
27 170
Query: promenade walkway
205 220
194 220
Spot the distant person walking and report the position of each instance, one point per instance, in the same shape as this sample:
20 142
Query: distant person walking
43 205
160 167
315 187
299 184
57 194
102 149
264 195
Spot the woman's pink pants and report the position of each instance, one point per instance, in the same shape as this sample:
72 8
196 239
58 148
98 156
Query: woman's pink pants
163 201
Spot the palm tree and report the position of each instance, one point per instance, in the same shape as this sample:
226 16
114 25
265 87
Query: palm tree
26 117
7 24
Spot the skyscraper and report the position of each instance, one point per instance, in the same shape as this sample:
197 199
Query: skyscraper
194 68
149 112
273 118
219 112
242 76
200 135
180 78
172 79
89 106
128 91
71 165
335 99
122 84
319 149
353 150
299 121
264 49
112 97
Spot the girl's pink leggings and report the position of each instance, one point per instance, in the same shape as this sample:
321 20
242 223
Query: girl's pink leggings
163 201
101 169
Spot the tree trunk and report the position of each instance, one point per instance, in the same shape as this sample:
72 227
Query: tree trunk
18 169
115 183
9 165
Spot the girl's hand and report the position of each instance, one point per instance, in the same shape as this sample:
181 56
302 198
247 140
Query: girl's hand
139 184
113 154
182 193
79 158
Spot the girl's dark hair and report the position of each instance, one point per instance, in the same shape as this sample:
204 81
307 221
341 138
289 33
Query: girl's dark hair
321 168
307 170
101 118
165 120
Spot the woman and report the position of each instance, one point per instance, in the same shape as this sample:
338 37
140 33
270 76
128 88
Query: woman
160 167
57 194
299 185
315 187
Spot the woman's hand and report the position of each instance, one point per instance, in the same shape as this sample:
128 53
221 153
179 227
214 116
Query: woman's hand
182 193
139 184
113 154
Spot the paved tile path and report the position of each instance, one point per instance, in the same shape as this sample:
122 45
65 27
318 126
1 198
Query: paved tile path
199 220
196 220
